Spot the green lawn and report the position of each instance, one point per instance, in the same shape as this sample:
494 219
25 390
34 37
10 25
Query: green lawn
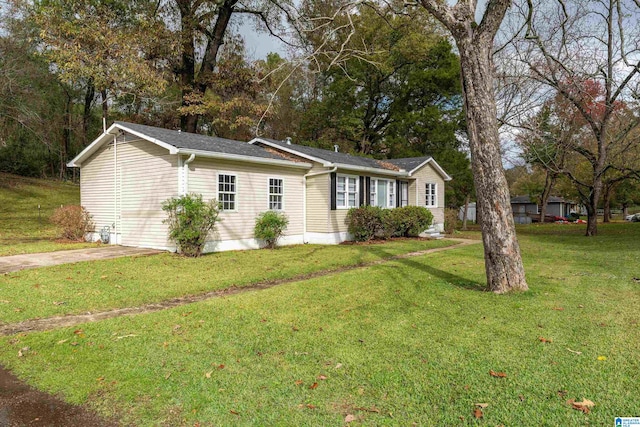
409 341
132 281
23 228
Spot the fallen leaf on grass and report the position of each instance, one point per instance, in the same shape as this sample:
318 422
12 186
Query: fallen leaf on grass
234 412
545 340
477 413
497 374
100 379
208 374
313 386
310 406
584 406
339 365
62 341
349 418
322 377
481 405
574 352
602 357
59 302
299 382
558 308
23 351
166 377
78 331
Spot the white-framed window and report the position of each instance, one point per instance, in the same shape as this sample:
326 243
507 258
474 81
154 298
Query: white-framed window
227 190
347 191
404 193
431 195
383 193
276 194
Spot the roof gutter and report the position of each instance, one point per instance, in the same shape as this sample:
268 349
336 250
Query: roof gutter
321 172
248 159
380 171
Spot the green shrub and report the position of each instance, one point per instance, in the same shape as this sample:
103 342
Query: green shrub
74 220
367 222
409 221
190 220
269 227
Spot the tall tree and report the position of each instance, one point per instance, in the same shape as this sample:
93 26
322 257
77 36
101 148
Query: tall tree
587 54
475 41
107 45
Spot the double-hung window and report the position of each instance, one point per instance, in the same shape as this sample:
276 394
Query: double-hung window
404 193
431 195
276 194
227 186
383 193
346 191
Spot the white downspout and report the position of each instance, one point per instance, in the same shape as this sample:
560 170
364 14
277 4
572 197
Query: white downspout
115 189
185 176
304 201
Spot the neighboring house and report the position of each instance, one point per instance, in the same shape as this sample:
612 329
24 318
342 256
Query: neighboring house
524 209
129 170
471 212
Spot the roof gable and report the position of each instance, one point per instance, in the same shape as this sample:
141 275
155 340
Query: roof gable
187 143
402 167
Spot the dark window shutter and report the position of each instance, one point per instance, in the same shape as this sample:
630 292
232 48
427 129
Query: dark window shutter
367 190
398 195
333 191
362 192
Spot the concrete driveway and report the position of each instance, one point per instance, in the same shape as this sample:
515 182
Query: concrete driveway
12 263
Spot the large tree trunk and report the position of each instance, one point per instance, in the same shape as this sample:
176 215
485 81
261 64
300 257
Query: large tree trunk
86 116
592 208
503 261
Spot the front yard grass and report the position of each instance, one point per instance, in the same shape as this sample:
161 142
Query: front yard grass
409 342
133 281
25 230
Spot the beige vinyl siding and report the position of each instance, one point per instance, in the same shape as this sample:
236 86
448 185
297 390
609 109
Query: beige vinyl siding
97 187
318 201
148 176
252 197
422 176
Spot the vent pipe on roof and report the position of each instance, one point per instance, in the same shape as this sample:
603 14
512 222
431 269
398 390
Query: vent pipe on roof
288 139
335 148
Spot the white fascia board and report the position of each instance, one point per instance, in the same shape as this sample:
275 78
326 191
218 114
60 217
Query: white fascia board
436 166
171 148
292 151
401 172
105 137
248 159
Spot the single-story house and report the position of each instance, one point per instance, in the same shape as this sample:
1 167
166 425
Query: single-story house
129 170
524 209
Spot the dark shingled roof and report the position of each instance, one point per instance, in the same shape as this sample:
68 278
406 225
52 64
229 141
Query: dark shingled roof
192 141
527 200
331 156
409 163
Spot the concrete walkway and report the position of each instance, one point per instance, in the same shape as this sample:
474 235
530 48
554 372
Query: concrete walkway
12 263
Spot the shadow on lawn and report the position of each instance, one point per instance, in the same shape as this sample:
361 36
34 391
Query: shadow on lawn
447 277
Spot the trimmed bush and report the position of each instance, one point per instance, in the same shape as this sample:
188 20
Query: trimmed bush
190 220
270 226
409 221
367 222
74 220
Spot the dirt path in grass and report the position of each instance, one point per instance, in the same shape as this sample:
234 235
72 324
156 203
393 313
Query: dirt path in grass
76 319
21 405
